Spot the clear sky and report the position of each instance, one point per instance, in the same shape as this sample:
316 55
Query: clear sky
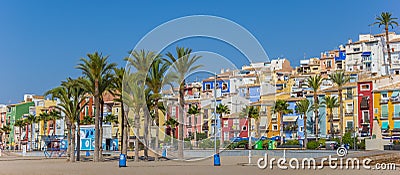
41 41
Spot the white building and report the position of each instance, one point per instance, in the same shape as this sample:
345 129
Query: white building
368 53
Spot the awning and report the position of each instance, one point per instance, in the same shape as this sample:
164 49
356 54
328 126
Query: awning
366 54
396 125
395 94
290 118
385 124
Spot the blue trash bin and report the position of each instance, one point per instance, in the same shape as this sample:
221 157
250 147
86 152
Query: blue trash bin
217 161
164 153
122 160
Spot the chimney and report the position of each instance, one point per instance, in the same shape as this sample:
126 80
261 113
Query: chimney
349 41
222 70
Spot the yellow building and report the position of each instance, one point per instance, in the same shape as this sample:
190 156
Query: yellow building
349 91
387 109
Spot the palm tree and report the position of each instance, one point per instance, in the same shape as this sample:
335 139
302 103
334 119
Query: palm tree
19 123
154 81
221 110
172 123
134 98
340 79
112 119
386 20
45 117
141 61
182 64
281 107
251 112
54 115
303 107
6 129
116 90
87 120
71 97
98 77
330 103
194 110
31 119
315 83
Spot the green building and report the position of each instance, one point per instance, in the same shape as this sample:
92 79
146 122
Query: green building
16 112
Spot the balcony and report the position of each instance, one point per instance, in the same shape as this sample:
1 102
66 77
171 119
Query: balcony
349 96
396 116
395 99
384 100
348 113
384 117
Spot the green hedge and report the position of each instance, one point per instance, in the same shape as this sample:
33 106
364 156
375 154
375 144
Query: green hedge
312 145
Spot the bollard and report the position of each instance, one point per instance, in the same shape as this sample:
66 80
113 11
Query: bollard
0 152
217 161
122 160
87 153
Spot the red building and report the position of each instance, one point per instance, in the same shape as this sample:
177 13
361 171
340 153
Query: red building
365 107
234 126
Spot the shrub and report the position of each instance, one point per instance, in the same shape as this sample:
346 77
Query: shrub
361 144
292 142
312 145
207 143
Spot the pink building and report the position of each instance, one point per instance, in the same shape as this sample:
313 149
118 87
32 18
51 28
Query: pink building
233 126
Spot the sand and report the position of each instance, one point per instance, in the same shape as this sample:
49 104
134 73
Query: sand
229 166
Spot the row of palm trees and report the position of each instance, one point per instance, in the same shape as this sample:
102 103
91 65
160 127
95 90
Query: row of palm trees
138 89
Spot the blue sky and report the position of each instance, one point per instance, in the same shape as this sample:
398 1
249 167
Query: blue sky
41 41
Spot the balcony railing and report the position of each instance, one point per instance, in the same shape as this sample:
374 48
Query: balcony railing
395 99
384 100
349 96
384 117
348 113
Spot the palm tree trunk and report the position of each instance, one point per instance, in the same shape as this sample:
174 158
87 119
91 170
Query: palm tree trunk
101 130
305 130
78 138
331 122
181 121
32 136
388 49
69 140
73 143
341 132
123 125
157 130
146 134
96 121
137 124
316 115
195 131
125 134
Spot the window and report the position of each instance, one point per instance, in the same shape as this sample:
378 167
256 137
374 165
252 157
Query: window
235 124
349 108
208 86
365 115
384 95
365 87
356 49
328 64
274 127
226 136
301 128
190 121
384 111
349 124
225 123
173 111
225 86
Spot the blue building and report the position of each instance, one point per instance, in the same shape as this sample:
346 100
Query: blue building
321 118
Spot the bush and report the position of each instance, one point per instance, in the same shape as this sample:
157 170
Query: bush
321 141
207 143
361 144
291 142
312 145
